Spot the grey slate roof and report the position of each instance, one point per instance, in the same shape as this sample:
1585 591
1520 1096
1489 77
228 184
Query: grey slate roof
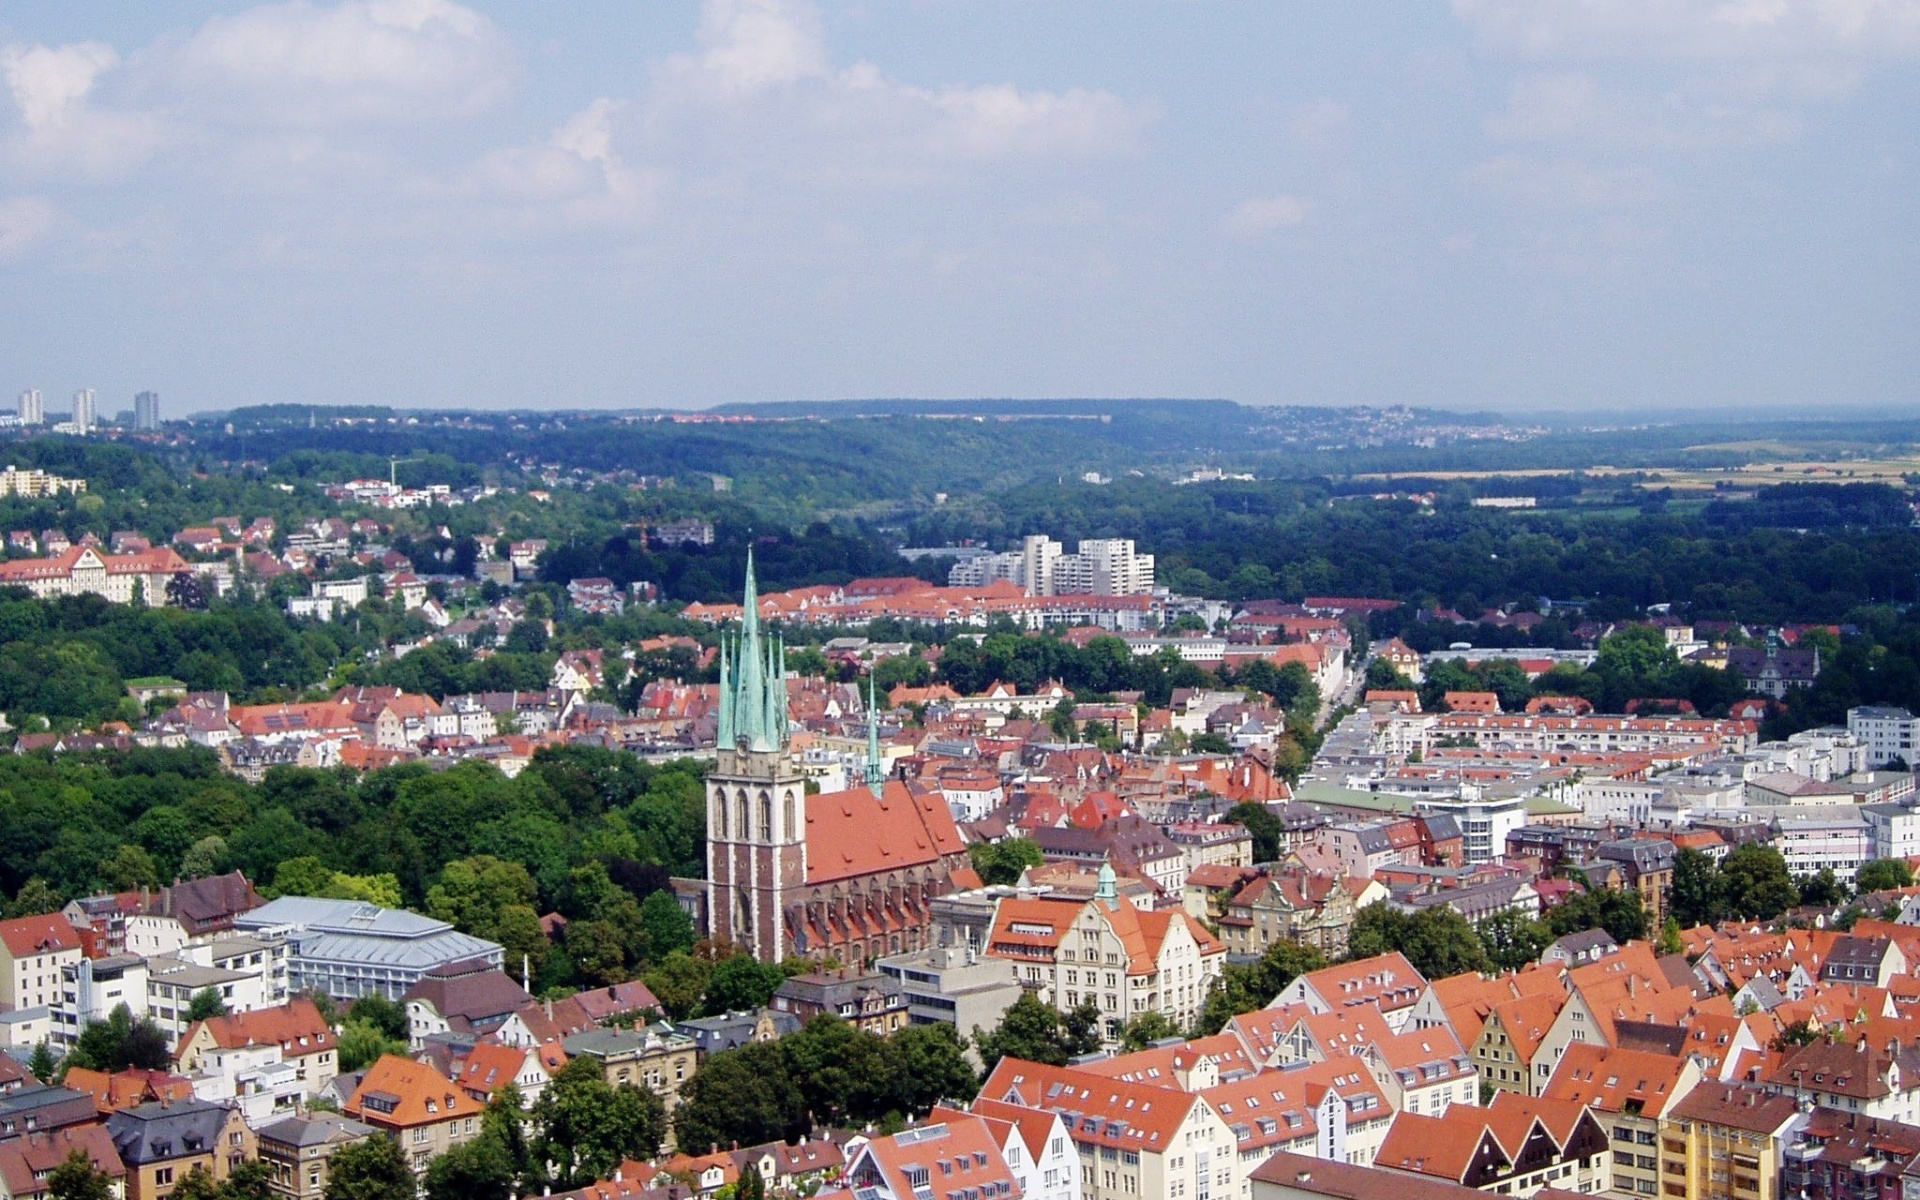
157 1132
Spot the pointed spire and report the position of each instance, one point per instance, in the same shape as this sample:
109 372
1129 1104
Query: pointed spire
876 778
725 737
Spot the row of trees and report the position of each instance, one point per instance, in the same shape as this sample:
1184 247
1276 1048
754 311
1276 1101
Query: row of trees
829 1073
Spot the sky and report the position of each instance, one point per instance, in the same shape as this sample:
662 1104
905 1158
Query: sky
1515 205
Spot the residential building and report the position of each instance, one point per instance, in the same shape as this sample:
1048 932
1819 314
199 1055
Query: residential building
417 1106
248 974
872 1001
1888 733
1833 838
469 997
294 1033
1126 960
1727 1140
146 411
91 988
1387 980
1516 1146
1648 863
1630 1090
1133 1140
27 1162
1036 1146
34 951
32 407
298 1149
731 1030
1854 1074
657 1057
1315 908
348 948
956 1155
86 412
161 1143
1845 1154
1894 828
1292 1176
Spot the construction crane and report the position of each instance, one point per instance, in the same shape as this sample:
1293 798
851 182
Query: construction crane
392 463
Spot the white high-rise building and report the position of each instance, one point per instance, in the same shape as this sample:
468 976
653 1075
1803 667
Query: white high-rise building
32 410
85 411
1099 567
146 411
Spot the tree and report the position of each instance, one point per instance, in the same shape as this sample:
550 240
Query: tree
1438 941
251 1180
1883 875
1030 1030
362 1043
1618 911
1670 940
745 1096
752 1185
1080 1028
1146 1029
120 1042
205 857
492 899
388 1016
668 926
76 1179
479 1170
1263 825
1513 939
130 867
1004 861
1754 883
931 1066
679 981
742 983
1694 898
375 1169
42 1064
588 1127
206 1003
1210 743
34 899
1822 889
1245 988
302 876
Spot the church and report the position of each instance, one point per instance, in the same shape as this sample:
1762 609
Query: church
846 875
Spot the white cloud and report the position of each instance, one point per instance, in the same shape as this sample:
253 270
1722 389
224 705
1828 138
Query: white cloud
60 130
575 174
298 64
24 221
1697 29
763 72
1263 215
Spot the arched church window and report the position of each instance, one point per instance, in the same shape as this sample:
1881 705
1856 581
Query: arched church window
792 826
743 829
766 816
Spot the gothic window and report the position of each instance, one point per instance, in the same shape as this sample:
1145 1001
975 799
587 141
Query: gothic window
742 831
720 813
792 827
766 816
743 916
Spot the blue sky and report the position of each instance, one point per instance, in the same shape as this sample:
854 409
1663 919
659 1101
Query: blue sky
1502 204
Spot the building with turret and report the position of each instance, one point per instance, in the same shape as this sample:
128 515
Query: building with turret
848 875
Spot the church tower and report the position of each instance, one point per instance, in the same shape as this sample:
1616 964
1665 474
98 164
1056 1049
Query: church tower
756 795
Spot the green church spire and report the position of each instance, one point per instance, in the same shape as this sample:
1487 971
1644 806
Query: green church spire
876 778
753 696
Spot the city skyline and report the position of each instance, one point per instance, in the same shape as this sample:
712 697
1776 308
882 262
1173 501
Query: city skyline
1482 205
